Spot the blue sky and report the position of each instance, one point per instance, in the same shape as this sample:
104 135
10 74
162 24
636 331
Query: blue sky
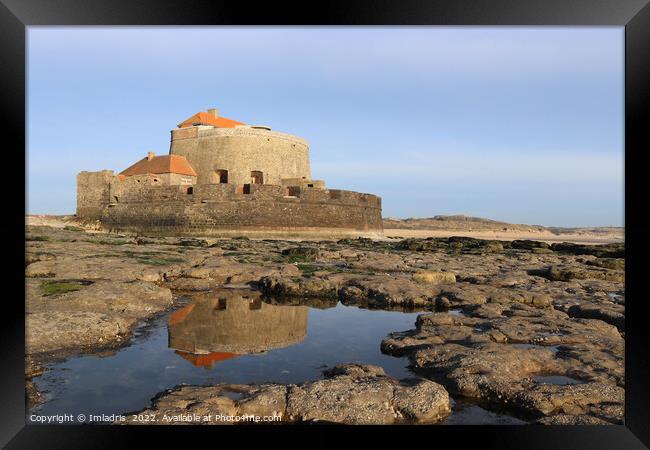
518 124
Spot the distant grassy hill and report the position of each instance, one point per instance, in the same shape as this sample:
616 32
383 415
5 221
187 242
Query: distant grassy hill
468 223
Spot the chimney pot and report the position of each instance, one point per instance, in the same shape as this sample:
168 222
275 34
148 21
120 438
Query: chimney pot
150 155
214 112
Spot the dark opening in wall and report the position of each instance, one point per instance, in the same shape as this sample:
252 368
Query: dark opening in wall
221 176
292 191
221 304
310 185
117 200
247 189
190 190
257 177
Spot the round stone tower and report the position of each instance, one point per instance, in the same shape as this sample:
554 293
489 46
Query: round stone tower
224 151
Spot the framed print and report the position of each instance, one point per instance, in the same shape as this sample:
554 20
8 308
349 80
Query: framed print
420 218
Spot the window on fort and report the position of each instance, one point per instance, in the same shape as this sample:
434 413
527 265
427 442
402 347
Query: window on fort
116 199
247 189
257 177
221 176
190 190
221 304
310 185
292 191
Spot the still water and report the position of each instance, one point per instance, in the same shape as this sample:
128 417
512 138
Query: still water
231 336
225 337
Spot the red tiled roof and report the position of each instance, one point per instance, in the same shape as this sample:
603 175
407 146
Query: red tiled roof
161 164
180 315
207 360
204 118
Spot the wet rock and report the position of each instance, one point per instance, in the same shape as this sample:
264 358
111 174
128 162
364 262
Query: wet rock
470 294
302 253
297 287
219 270
98 315
529 245
451 244
542 251
267 400
365 243
520 296
32 395
74 331
35 257
608 263
123 264
371 262
192 284
466 294
433 277
388 290
472 356
558 273
612 314
350 394
193 243
601 251
595 399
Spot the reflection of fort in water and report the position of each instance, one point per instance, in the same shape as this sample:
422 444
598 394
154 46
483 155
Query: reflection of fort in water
232 322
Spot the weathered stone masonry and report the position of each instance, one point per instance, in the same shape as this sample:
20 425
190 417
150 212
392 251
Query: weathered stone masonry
216 209
222 178
240 151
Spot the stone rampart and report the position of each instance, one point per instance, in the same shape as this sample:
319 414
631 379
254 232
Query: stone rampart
222 210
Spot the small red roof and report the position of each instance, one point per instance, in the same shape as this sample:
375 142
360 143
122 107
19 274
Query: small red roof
180 315
207 360
161 164
204 118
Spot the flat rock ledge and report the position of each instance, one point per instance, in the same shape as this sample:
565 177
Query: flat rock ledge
350 394
540 362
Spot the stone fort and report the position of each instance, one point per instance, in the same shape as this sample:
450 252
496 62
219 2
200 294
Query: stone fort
223 177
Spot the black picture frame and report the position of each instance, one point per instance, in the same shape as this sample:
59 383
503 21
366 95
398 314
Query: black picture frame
634 15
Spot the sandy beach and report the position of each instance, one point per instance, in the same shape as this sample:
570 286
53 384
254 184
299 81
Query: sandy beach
545 236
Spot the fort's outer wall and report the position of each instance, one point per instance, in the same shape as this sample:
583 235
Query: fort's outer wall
216 210
93 193
240 151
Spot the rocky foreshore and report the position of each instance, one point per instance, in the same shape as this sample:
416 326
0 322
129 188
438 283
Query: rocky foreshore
526 326
350 394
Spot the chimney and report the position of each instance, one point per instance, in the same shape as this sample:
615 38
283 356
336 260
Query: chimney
214 112
150 156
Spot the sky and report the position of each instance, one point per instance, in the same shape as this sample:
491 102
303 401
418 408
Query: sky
520 124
